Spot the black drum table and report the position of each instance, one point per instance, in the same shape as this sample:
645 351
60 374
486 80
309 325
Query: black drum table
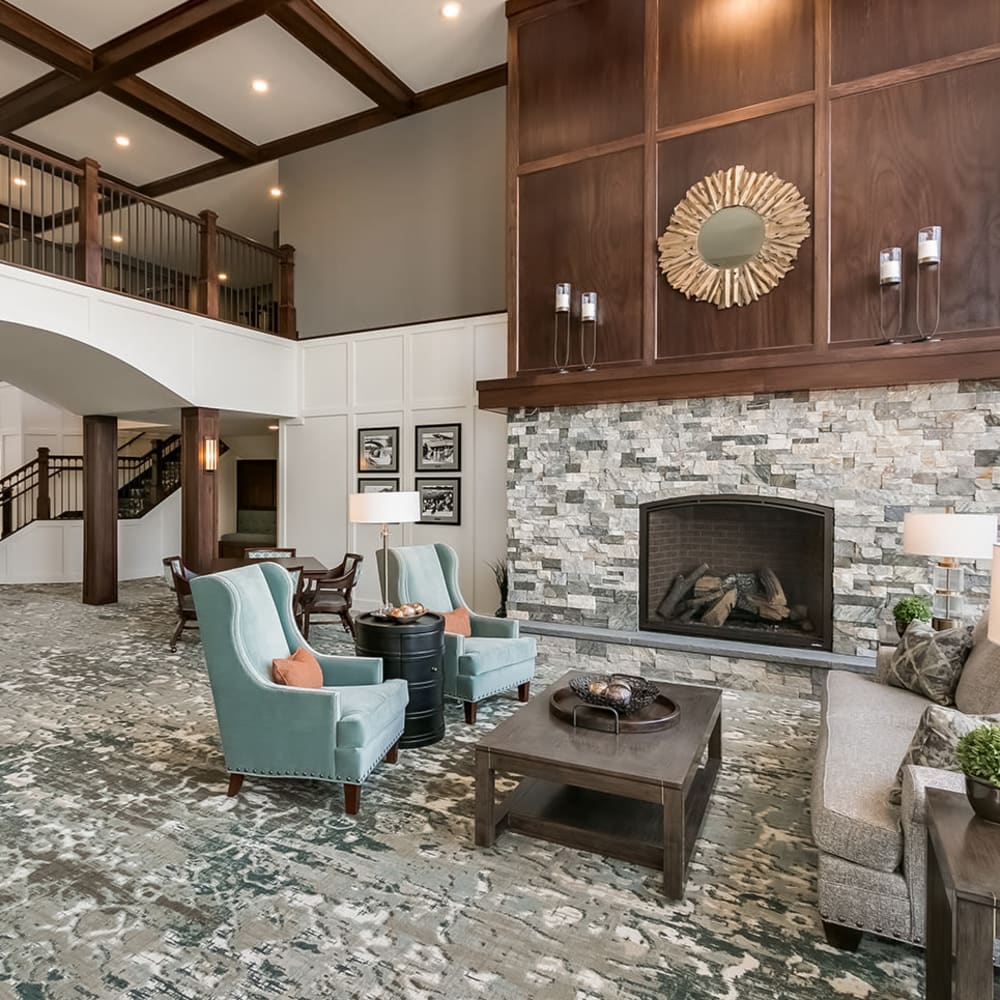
411 649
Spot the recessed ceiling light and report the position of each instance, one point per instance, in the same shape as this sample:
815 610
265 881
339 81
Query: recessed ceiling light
223 276
276 192
20 182
117 238
123 141
260 86
451 10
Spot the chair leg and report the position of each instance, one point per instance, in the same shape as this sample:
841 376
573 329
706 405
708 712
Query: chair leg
176 636
392 756
470 712
348 622
352 799
523 691
235 784
843 938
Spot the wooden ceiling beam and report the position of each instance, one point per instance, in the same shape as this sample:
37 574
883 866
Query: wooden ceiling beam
310 25
35 37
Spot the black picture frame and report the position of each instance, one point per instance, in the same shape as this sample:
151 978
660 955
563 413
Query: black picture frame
433 492
366 484
449 457
371 442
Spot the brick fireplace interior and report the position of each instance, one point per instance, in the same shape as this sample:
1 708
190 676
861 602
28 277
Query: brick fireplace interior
747 568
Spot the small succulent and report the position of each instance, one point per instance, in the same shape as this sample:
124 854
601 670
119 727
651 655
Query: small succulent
978 754
910 609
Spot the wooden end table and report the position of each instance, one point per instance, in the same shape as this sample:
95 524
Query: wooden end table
963 886
638 797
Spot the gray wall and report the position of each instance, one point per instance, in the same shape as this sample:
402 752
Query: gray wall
400 224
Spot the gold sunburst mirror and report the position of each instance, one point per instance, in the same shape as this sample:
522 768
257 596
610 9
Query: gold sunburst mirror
733 237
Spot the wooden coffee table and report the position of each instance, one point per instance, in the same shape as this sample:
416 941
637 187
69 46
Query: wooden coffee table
639 797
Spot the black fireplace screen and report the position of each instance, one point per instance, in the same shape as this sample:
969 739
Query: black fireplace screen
749 568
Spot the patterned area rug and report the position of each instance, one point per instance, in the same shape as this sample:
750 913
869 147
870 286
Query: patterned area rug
126 872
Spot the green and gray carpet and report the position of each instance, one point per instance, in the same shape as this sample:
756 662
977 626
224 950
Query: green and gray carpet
126 872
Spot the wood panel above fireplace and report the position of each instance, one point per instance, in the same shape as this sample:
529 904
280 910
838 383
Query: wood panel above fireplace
880 137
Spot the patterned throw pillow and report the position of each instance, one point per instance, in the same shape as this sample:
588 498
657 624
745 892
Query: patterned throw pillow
930 662
934 742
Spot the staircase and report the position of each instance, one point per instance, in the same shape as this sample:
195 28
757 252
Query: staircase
50 487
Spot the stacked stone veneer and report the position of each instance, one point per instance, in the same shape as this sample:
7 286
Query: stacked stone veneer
577 475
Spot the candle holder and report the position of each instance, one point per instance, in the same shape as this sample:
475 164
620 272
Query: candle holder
890 281
563 292
588 319
929 256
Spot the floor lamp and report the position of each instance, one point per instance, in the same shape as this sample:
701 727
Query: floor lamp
949 537
384 509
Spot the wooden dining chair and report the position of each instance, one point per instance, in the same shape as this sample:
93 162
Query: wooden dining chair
267 552
179 578
332 594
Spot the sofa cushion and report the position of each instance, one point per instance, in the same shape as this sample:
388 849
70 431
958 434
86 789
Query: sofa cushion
482 655
366 712
930 662
866 729
978 691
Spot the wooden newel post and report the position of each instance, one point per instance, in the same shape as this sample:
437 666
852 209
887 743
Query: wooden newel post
6 513
43 505
286 292
208 267
88 248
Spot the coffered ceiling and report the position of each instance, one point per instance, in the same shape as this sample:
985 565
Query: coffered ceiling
177 80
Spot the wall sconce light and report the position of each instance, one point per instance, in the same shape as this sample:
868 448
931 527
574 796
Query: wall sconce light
588 318
210 454
563 292
929 255
890 279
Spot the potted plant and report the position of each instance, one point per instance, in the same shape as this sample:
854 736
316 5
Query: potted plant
978 755
502 577
910 609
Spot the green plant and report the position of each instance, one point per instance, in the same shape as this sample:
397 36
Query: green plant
978 754
909 609
501 574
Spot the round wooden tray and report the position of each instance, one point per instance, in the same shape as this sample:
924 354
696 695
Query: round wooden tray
566 706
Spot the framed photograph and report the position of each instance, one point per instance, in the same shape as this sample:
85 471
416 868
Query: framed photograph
439 448
440 501
378 485
378 449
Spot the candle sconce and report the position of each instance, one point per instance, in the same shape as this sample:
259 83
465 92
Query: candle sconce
890 283
563 292
588 322
929 256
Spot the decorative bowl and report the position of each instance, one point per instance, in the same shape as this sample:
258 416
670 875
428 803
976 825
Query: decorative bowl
624 693
984 798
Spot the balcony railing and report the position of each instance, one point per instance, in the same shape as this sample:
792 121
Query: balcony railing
68 220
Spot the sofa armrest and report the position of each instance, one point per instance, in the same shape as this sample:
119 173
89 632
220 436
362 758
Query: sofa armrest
349 671
495 628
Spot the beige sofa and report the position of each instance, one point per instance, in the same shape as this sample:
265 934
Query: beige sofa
872 853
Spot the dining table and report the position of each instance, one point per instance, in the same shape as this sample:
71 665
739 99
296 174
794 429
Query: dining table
310 566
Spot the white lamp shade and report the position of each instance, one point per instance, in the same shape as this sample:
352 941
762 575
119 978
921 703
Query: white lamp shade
384 508
955 536
993 630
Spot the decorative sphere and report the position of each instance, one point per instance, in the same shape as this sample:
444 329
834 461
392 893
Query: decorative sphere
597 688
619 694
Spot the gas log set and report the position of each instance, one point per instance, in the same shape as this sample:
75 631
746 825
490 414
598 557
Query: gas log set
704 597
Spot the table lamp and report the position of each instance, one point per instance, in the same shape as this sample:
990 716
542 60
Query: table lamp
949 537
384 509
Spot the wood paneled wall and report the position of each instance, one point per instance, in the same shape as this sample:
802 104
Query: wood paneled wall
883 119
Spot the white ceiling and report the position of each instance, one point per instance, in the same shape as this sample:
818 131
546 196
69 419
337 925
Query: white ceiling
94 22
17 68
419 45
215 79
89 127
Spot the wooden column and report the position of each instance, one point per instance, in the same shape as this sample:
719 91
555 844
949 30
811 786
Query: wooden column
43 503
100 510
88 246
287 326
208 268
199 498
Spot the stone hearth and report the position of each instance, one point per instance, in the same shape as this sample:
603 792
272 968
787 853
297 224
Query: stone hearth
578 475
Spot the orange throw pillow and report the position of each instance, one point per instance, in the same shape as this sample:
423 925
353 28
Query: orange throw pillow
457 622
300 670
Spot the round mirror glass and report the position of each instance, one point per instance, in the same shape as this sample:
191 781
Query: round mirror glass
731 236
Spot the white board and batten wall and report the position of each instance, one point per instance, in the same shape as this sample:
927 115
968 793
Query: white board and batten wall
401 377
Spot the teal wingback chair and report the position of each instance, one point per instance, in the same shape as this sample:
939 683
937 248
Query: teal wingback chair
339 732
494 659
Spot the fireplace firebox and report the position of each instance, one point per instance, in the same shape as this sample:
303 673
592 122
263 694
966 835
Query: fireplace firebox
747 568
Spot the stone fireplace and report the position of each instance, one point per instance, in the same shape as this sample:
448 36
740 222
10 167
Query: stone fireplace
578 477
749 568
